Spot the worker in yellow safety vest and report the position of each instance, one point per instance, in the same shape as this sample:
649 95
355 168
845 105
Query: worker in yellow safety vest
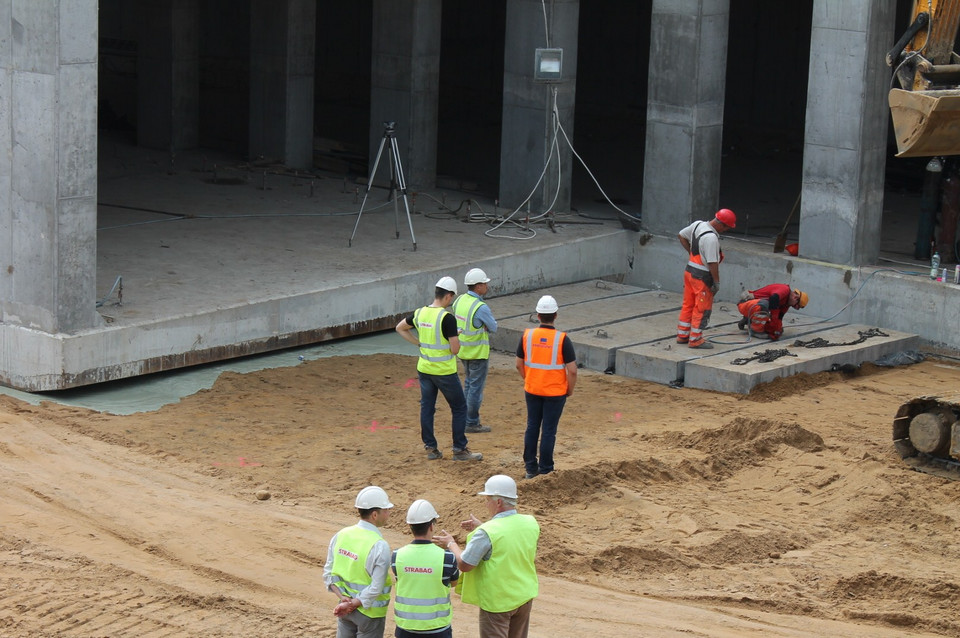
358 568
424 573
476 323
438 339
499 561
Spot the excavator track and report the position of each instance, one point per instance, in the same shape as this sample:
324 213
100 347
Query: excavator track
926 433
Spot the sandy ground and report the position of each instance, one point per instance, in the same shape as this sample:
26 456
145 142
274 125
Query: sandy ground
671 513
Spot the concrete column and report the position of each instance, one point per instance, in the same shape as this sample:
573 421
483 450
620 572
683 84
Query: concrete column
48 164
282 43
846 130
405 81
687 79
530 138
168 74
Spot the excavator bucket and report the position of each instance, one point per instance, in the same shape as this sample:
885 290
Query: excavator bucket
926 123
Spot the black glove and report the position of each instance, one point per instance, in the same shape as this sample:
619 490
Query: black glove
715 288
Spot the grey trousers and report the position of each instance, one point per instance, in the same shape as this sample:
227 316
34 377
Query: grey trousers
356 625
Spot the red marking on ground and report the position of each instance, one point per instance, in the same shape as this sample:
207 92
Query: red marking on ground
241 462
374 426
617 416
411 383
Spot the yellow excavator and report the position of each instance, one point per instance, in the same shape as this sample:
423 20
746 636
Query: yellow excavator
926 122
926 107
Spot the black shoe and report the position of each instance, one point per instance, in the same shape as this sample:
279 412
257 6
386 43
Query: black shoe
742 324
474 429
466 455
706 345
434 454
531 475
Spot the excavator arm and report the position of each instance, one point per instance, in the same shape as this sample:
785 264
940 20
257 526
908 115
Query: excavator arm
926 107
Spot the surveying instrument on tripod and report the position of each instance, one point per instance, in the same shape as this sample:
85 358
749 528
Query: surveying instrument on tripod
397 182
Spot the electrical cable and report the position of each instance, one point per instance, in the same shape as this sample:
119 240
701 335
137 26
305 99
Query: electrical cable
107 296
546 30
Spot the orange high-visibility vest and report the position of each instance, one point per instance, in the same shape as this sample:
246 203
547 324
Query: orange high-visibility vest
546 373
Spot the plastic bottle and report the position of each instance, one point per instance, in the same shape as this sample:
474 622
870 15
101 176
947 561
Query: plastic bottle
935 266
956 274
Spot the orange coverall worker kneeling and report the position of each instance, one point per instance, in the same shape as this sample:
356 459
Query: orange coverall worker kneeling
763 309
701 277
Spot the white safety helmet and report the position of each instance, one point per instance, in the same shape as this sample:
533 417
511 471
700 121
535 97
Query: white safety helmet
499 485
447 283
475 276
421 511
371 497
547 305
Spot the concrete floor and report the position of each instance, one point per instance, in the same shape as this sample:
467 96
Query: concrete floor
203 258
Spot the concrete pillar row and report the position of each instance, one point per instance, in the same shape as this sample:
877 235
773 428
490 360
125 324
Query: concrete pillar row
282 45
531 145
405 86
845 140
168 74
48 166
685 94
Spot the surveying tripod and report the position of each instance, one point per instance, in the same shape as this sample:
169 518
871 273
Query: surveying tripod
396 182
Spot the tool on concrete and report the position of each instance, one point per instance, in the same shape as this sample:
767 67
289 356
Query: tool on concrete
781 240
397 182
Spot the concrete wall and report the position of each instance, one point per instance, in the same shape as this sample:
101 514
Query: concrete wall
281 80
682 158
405 85
846 128
48 146
877 296
529 136
35 361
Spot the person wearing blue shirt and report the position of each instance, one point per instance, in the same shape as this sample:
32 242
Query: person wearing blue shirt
475 323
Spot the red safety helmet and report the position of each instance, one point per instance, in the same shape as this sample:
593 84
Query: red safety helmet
726 216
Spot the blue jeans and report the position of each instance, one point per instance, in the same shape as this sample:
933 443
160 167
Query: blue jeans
543 416
449 386
473 382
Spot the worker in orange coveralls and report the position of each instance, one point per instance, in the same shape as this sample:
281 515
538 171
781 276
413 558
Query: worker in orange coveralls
763 309
701 277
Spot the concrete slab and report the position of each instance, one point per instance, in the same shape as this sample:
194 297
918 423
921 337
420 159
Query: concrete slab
594 310
662 360
523 304
718 372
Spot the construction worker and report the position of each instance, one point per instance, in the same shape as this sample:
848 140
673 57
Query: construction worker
424 573
548 364
763 309
701 277
438 340
358 568
499 562
475 322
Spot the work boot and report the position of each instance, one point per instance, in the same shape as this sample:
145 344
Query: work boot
530 475
466 455
682 341
474 429
742 324
706 345
434 454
